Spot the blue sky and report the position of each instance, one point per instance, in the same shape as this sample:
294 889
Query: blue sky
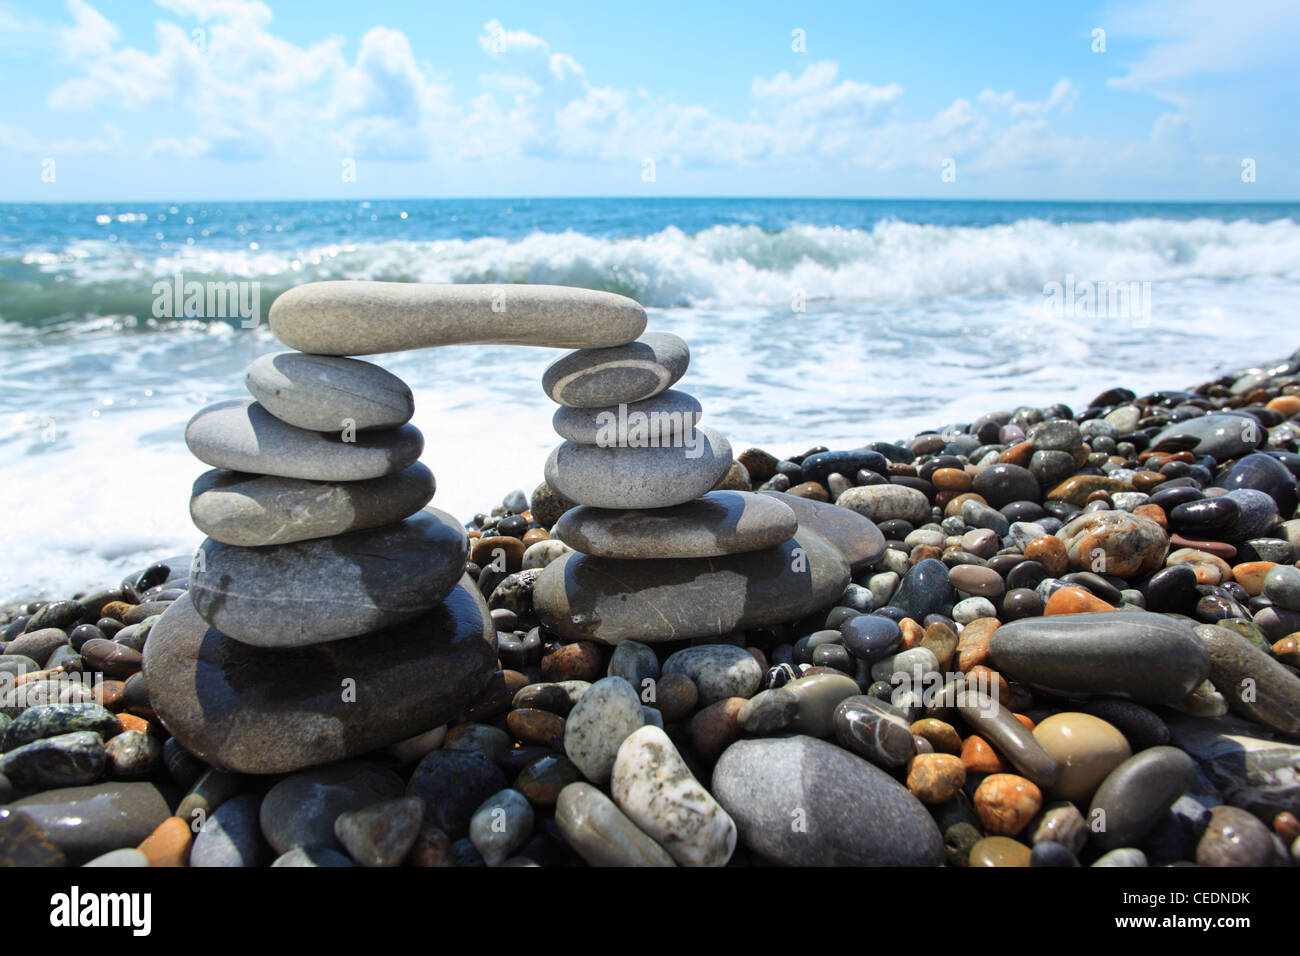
232 99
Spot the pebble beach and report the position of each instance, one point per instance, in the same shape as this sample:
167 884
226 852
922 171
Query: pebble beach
1048 637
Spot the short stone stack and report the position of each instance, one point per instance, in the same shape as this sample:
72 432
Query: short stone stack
657 555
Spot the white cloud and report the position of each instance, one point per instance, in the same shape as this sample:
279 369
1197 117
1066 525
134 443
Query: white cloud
1188 38
243 92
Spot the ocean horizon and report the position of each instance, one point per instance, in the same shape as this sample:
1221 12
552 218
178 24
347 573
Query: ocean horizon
811 321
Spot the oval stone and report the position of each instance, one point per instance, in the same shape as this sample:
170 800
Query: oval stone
1146 657
1085 747
654 787
600 721
762 782
1115 542
346 317
592 378
310 592
609 600
640 477
720 522
252 710
325 393
598 425
718 671
241 435
300 810
884 502
253 511
1135 795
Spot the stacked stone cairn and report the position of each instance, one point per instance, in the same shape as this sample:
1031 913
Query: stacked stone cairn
658 556
328 612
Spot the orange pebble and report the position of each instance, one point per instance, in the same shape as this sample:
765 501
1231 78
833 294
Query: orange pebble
169 845
1018 454
973 644
1075 601
1029 724
1287 826
1049 551
912 633
1288 405
132 722
978 756
1250 575
1153 513
951 479
1006 802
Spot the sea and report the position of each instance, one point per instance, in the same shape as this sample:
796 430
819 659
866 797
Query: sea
810 322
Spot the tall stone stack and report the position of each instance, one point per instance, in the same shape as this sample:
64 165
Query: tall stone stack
328 612
657 555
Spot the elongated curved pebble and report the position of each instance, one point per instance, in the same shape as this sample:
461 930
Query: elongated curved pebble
602 599
593 378
988 718
250 710
856 537
1146 657
341 317
804 802
241 435
325 393
882 502
601 833
654 787
1136 794
639 477
253 511
310 592
1252 682
605 715
720 522
670 412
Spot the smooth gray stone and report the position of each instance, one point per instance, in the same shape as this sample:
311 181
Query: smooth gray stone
342 317
1252 770
718 671
501 825
594 378
804 802
253 511
873 729
883 502
856 537
640 477
127 856
250 710
1282 584
231 836
1253 683
1146 657
312 856
325 393
1122 856
601 833
612 424
301 809
310 592
720 522
603 599
599 722
999 726
636 663
1135 795
241 435
86 822
1221 435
